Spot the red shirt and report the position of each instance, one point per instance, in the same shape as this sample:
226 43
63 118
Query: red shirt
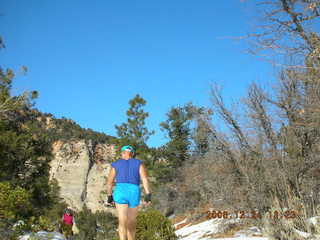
68 219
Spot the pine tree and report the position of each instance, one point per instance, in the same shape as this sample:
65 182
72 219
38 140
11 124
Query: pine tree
7 102
201 132
183 139
178 130
25 153
134 131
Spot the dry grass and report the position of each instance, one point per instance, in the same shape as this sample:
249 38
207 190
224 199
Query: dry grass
178 219
230 230
181 225
285 228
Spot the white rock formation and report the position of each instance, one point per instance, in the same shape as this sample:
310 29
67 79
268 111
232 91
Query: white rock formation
81 171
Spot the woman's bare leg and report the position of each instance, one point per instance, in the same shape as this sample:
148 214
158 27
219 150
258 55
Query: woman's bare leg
122 210
132 222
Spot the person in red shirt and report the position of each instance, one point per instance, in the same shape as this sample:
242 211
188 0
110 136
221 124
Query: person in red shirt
67 223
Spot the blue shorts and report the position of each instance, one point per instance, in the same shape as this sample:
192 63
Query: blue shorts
127 193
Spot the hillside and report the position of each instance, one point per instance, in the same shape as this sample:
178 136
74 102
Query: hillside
80 157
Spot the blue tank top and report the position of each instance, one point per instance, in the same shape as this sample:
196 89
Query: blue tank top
127 171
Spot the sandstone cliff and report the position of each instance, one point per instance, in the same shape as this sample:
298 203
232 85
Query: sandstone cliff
81 170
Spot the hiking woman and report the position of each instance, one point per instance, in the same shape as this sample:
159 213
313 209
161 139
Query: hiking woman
127 171
67 223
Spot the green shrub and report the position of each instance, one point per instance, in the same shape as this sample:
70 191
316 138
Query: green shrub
95 226
152 225
14 201
46 224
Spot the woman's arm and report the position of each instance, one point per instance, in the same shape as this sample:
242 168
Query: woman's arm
144 178
110 180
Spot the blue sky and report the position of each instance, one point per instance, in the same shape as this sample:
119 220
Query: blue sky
87 59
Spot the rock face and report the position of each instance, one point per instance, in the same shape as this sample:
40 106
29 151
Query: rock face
81 170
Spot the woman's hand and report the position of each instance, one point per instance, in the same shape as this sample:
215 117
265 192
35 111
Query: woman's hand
110 201
147 199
